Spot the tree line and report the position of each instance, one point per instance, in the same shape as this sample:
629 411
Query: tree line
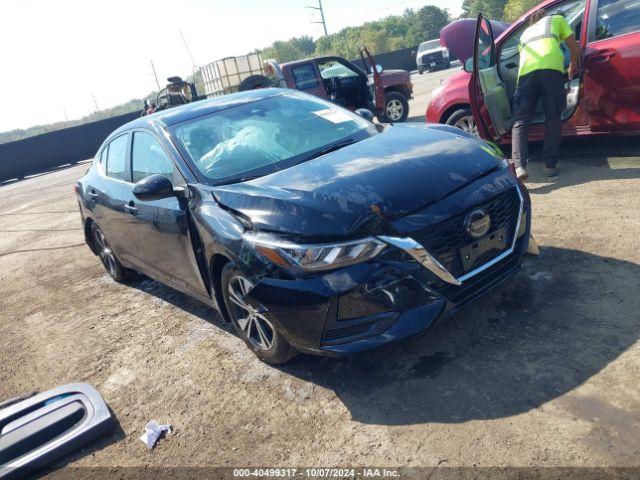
121 109
391 33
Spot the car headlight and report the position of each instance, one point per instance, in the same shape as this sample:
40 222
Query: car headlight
314 257
445 52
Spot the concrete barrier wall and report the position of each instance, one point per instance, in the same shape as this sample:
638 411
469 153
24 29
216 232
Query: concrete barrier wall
70 145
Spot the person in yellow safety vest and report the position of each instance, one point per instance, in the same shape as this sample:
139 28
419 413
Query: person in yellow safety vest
541 75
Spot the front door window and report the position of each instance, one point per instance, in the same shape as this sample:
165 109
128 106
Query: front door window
617 17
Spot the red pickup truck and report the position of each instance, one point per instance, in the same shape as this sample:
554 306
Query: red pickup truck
385 92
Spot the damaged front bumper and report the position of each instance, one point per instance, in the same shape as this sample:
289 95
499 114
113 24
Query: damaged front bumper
371 304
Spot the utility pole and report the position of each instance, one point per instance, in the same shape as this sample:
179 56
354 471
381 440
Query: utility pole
155 75
95 102
193 62
319 8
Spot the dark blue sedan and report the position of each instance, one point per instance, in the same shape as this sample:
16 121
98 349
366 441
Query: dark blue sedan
310 228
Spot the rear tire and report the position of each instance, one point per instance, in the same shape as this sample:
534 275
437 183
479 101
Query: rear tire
463 119
107 256
254 328
396 108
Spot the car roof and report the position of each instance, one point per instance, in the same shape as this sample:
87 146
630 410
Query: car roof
200 108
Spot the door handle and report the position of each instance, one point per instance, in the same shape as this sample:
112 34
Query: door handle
129 207
603 57
511 65
93 194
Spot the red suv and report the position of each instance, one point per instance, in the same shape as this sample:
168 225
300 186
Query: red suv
605 98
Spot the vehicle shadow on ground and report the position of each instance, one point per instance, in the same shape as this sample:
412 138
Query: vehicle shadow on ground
560 321
180 300
586 160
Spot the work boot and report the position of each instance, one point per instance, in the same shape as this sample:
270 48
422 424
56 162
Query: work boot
550 171
522 174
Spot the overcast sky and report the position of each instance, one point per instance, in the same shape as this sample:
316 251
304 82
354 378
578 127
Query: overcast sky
56 54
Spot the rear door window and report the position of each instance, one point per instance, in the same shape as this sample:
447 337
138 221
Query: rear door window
149 158
304 77
102 158
117 158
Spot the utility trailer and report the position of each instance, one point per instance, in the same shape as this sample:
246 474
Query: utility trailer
232 74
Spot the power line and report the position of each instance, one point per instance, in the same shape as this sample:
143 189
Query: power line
193 62
323 22
95 102
155 75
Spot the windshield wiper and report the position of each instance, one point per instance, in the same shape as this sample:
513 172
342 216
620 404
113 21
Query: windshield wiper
331 148
239 180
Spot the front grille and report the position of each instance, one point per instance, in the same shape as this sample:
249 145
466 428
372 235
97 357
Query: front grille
432 57
445 239
474 286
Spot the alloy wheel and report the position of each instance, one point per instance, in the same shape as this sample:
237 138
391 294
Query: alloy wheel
468 124
106 254
256 327
394 110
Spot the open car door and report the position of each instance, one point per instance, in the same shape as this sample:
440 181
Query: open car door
377 88
487 92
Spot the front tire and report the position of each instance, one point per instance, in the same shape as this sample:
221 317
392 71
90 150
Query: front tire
463 119
396 108
111 263
256 330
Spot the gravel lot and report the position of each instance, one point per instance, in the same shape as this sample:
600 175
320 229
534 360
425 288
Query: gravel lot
542 372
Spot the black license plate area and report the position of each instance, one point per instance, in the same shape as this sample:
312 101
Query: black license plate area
494 241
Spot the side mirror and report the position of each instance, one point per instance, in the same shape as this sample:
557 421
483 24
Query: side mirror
153 187
468 65
365 113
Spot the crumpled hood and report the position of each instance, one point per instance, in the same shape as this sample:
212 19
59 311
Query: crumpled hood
358 189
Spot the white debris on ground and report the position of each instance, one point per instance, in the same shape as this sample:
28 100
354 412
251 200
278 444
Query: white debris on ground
152 433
